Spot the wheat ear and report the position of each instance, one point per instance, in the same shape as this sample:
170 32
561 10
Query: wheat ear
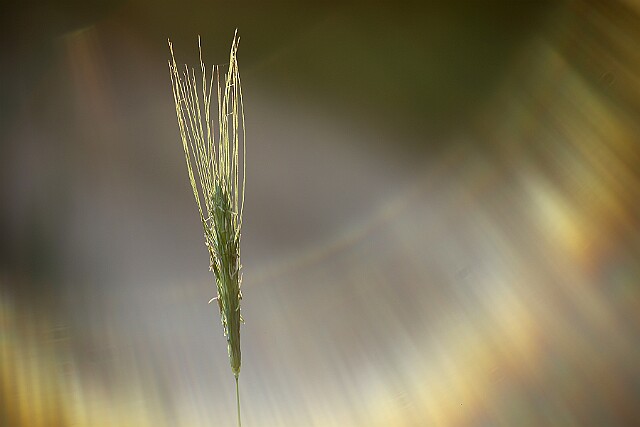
217 189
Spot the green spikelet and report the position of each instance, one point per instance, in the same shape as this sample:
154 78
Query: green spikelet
214 166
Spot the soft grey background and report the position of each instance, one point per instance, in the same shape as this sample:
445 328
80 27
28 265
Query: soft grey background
441 220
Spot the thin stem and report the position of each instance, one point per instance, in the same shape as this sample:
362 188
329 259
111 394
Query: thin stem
238 401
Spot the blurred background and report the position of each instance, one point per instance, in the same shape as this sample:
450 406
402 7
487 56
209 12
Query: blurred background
441 224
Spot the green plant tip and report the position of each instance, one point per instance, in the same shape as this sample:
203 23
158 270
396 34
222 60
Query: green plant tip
216 169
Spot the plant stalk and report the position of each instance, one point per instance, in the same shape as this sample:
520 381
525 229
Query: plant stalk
238 401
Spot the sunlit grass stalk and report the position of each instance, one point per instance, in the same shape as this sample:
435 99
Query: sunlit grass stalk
214 166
